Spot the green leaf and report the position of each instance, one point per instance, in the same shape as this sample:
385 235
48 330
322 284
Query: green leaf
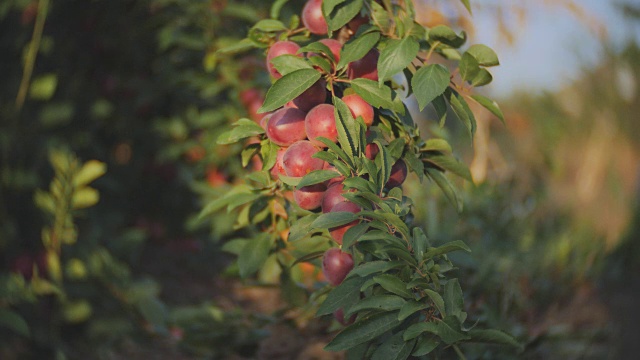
333 147
380 17
393 284
396 56
277 5
394 348
253 255
483 77
449 163
447 187
409 308
414 163
263 177
416 330
462 111
490 105
384 165
14 322
380 97
447 248
359 184
307 258
469 67
357 48
425 345
242 129
301 227
453 298
372 267
343 296
446 35
269 153
440 106
438 301
449 330
494 337
484 55
440 145
319 48
339 13
377 302
286 64
430 82
349 132
288 88
382 236
358 352
352 235
317 176
420 243
289 180
364 330
322 63
333 219
467 5
269 25
90 171
237 47
234 246
237 200
450 54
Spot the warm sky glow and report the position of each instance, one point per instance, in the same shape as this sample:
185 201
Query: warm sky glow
553 46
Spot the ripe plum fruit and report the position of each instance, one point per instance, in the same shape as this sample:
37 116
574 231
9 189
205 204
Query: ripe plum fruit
359 107
398 174
333 196
298 160
313 19
321 121
336 265
313 96
286 126
367 67
309 197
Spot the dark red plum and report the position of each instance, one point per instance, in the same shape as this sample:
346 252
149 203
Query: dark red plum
367 67
398 174
336 265
313 96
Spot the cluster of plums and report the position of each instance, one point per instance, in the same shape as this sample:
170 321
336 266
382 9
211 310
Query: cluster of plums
297 126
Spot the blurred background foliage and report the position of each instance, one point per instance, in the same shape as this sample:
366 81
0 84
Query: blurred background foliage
135 92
